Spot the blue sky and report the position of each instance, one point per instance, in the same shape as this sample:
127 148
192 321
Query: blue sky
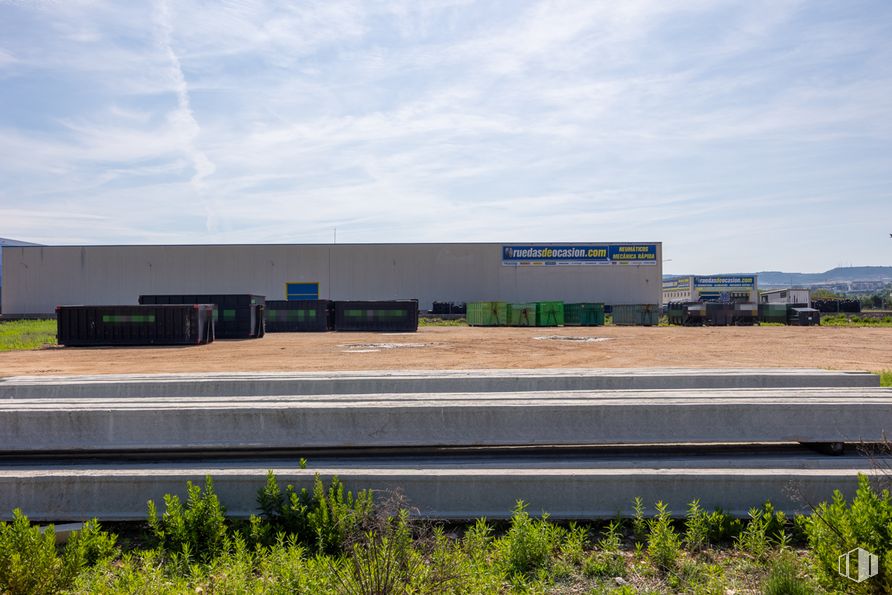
746 135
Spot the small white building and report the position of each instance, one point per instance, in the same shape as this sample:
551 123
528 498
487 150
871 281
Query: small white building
793 295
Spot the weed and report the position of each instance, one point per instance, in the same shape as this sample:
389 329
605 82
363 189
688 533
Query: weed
696 535
885 377
526 547
334 516
197 529
88 547
663 543
639 524
764 527
28 562
783 579
836 528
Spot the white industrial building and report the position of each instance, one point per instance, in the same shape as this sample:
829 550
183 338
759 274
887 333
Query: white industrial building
794 295
732 288
38 278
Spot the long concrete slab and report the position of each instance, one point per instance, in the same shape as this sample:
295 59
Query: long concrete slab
328 383
453 419
448 489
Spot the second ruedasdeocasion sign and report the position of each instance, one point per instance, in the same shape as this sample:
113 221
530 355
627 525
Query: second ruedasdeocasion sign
595 254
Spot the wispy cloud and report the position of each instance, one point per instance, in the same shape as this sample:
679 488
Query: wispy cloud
721 129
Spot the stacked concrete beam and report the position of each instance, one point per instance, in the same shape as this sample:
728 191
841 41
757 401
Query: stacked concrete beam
470 381
296 412
822 415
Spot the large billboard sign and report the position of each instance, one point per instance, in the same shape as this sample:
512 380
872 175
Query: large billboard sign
594 254
725 281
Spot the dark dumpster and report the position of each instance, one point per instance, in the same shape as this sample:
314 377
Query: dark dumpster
190 324
297 316
396 315
237 316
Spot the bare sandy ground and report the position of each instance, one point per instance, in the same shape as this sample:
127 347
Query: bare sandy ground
464 348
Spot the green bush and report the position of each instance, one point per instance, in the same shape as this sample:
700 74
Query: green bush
197 529
765 528
696 535
836 528
28 561
526 547
88 547
323 520
663 542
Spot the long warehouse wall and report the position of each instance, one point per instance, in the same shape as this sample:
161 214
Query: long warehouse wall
37 279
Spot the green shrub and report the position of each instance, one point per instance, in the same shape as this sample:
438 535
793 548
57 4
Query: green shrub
526 547
335 516
639 523
197 529
88 547
764 528
663 543
322 520
574 544
286 512
28 561
696 535
836 528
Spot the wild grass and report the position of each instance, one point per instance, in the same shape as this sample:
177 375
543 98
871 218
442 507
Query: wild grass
885 377
326 540
855 320
21 335
442 322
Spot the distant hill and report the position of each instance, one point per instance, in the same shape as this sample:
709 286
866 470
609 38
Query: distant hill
839 274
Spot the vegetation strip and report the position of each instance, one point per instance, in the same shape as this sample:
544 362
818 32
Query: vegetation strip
329 541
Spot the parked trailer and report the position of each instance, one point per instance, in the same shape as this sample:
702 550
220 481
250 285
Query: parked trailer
395 315
295 316
237 316
83 326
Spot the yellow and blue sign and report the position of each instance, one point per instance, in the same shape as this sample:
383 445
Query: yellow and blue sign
595 254
725 281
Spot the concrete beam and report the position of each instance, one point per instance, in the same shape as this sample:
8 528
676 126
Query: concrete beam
329 383
444 419
577 488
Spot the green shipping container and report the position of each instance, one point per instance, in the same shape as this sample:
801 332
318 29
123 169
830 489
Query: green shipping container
549 313
522 314
636 315
584 314
487 313
773 313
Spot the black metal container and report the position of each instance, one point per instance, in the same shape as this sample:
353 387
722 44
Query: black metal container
719 313
190 324
397 315
803 317
237 316
297 316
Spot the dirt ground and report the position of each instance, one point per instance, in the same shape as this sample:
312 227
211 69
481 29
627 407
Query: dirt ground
466 348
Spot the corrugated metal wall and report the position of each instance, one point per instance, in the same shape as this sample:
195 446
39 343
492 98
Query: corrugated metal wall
37 279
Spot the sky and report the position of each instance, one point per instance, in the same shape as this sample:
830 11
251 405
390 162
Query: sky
743 135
